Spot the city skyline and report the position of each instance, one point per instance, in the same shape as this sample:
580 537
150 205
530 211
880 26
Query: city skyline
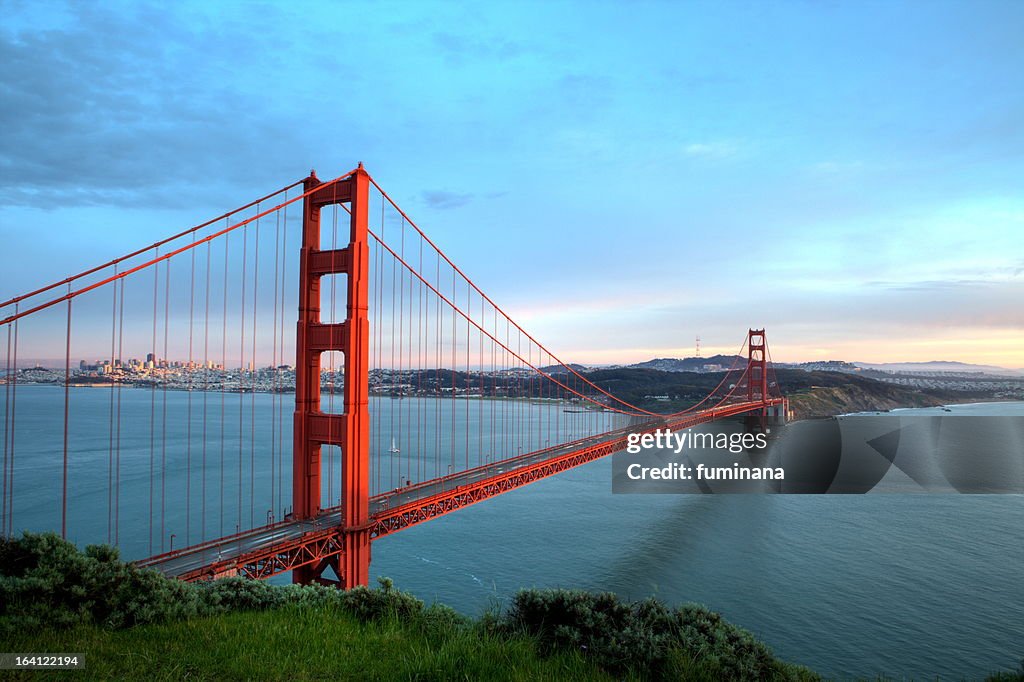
844 175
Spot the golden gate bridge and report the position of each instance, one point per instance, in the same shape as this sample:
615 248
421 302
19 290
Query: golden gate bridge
445 401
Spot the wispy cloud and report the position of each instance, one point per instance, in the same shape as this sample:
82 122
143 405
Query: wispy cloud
444 200
931 285
85 125
462 48
712 150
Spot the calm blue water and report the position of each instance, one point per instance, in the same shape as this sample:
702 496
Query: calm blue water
903 585
202 465
852 585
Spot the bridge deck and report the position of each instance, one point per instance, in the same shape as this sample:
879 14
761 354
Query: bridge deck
275 548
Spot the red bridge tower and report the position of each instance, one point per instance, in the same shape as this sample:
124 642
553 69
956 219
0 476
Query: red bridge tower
351 429
757 366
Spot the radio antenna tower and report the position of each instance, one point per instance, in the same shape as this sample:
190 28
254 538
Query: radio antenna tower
698 346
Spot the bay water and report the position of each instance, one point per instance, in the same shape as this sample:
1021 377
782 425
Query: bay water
904 585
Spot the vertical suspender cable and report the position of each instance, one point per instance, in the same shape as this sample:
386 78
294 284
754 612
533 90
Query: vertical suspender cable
275 392
165 367
506 385
152 401
398 340
252 375
224 376
67 400
469 309
377 390
494 387
7 426
480 375
376 329
206 389
410 366
454 363
117 475
441 379
14 406
188 385
421 366
519 396
391 368
241 372
280 414
110 433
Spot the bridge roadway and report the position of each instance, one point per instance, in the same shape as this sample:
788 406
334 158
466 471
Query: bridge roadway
284 545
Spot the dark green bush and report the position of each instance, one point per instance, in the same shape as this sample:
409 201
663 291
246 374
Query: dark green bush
46 582
598 624
645 638
441 619
238 594
387 602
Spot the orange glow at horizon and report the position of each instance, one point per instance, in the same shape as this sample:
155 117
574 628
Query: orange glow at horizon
1003 348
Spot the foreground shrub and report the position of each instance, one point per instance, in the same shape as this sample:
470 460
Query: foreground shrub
442 619
242 594
644 638
46 582
387 602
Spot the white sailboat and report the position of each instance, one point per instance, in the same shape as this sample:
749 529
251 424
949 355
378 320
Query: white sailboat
394 447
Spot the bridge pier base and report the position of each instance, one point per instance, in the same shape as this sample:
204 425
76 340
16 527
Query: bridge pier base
765 420
777 414
352 566
356 560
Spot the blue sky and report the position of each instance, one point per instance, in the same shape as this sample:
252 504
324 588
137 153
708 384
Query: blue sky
621 177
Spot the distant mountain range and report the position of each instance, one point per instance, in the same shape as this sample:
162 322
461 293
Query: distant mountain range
939 366
723 362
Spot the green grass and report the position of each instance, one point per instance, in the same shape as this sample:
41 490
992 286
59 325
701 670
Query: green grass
298 643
